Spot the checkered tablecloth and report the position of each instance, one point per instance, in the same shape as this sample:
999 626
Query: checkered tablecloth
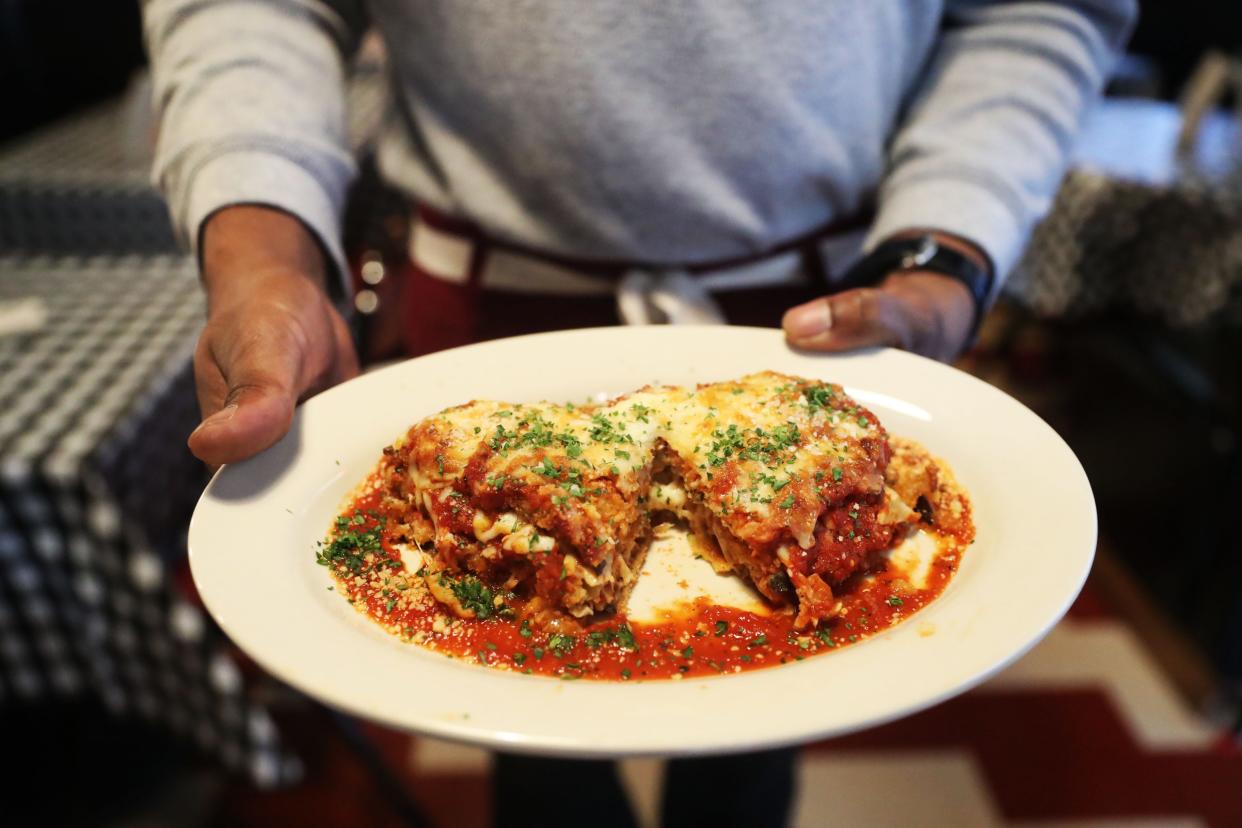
96 491
96 485
82 186
1140 228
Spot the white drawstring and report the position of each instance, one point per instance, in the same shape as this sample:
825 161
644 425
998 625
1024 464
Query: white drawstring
665 297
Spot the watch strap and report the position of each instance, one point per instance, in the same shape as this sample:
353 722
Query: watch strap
923 253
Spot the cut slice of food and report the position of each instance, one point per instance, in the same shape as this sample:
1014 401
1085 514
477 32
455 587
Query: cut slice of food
780 479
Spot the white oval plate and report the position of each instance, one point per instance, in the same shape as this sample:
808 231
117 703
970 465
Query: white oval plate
253 536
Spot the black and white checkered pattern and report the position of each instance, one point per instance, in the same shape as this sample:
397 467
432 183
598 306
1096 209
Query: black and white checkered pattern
82 186
1172 253
96 485
96 490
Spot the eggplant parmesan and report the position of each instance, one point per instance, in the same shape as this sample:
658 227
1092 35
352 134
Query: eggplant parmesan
785 481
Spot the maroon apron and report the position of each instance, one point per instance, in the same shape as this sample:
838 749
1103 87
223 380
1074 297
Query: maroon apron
439 313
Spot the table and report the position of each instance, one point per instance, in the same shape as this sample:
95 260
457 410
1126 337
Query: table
96 485
96 489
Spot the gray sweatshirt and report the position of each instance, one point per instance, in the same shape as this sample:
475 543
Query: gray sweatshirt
645 130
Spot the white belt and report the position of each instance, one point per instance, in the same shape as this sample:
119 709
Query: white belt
644 296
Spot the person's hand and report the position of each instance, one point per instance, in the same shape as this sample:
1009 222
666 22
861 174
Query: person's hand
272 337
920 311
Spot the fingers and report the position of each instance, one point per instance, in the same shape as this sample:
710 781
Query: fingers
253 419
860 318
927 313
247 395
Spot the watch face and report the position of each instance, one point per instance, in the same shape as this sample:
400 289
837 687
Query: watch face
922 254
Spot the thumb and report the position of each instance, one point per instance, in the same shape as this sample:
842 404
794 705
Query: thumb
256 412
860 318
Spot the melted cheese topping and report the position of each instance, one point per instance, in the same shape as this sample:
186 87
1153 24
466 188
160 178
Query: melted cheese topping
764 453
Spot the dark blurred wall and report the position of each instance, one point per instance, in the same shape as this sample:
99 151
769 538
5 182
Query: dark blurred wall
1175 33
59 55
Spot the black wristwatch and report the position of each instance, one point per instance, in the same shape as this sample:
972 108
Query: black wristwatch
923 253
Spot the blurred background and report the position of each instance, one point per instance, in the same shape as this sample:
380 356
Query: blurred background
121 704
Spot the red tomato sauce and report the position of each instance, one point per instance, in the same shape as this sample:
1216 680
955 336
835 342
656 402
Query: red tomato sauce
697 639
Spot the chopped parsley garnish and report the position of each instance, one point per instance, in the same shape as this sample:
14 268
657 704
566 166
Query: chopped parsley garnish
547 469
349 548
561 644
573 446
825 637
817 396
726 443
496 482
525 630
604 430
894 601
519 659
619 635
640 412
472 594
758 641
537 433
625 637
688 652
625 673
769 447
722 627
788 501
503 440
836 474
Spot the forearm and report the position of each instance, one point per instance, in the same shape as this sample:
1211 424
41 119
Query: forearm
986 140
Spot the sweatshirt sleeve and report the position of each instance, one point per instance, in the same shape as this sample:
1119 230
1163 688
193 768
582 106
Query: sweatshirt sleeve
251 104
990 128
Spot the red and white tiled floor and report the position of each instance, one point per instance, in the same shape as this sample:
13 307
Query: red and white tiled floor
1084 732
